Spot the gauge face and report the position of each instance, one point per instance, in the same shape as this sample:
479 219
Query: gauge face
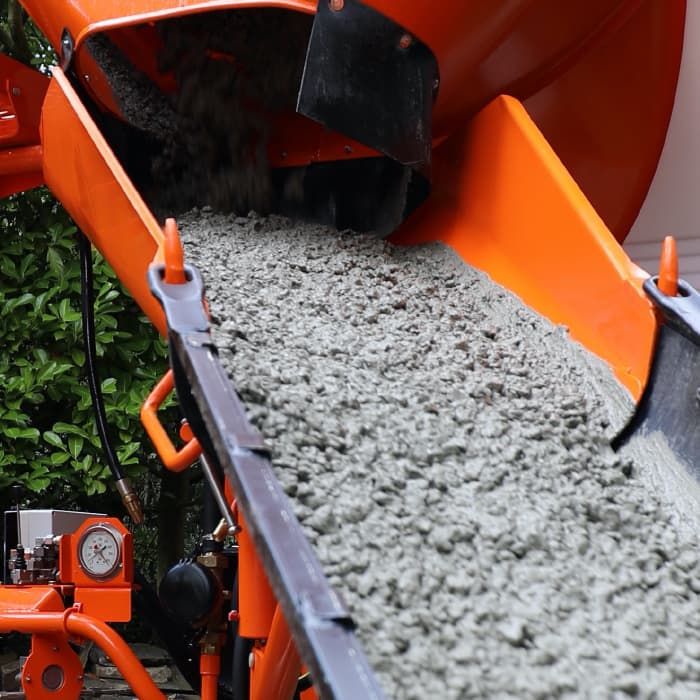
100 551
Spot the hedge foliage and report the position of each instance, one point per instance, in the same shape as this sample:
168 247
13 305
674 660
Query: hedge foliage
47 432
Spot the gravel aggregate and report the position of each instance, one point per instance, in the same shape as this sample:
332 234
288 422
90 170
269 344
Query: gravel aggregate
447 453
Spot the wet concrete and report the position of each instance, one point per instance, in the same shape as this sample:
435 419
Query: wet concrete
235 73
447 452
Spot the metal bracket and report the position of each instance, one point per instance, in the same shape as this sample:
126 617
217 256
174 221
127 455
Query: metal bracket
682 312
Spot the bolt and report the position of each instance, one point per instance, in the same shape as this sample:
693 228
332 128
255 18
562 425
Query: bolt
251 660
337 5
27 679
405 41
54 648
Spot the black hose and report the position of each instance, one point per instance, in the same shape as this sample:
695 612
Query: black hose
87 305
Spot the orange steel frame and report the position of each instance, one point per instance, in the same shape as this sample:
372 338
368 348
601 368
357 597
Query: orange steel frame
597 82
40 611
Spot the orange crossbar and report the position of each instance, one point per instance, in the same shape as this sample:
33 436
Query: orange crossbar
504 201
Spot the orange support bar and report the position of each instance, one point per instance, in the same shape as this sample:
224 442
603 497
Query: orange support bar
75 624
276 668
209 668
256 600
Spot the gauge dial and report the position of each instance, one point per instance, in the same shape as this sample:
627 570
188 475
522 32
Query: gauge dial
99 551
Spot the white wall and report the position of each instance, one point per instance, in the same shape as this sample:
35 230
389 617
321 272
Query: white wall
673 203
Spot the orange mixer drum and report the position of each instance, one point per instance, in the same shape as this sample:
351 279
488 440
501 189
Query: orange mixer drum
597 76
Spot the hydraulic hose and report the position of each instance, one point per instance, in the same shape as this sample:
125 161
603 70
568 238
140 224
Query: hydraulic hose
87 305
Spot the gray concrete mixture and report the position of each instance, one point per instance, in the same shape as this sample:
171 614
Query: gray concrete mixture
447 453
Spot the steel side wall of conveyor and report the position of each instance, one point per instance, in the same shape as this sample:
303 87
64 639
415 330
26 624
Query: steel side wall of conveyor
507 205
84 174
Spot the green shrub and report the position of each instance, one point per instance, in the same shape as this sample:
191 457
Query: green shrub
48 439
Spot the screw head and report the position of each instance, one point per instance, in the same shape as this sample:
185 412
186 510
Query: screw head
405 41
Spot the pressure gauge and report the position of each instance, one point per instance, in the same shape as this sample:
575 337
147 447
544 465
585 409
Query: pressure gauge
100 551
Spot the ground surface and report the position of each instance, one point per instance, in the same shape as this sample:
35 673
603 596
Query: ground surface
447 452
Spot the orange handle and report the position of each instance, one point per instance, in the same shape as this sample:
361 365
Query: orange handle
668 267
174 460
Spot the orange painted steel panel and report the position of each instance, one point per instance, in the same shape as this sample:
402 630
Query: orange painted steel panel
27 598
108 604
22 92
20 169
503 200
52 655
85 175
110 599
256 600
82 17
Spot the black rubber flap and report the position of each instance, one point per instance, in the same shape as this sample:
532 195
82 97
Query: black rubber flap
671 400
369 79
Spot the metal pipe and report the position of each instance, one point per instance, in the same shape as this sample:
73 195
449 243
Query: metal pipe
217 492
79 625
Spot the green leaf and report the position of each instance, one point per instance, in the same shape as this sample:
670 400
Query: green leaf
75 445
109 385
69 429
55 262
53 439
26 433
78 356
59 458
